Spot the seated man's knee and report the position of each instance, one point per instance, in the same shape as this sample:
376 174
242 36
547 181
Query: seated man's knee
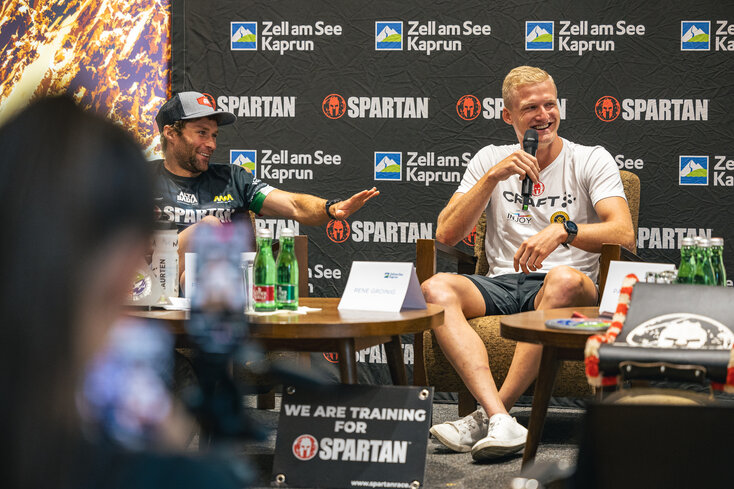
210 221
438 289
568 285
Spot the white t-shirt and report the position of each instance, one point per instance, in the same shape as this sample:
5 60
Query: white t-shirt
569 188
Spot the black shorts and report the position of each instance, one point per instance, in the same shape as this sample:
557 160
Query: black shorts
509 293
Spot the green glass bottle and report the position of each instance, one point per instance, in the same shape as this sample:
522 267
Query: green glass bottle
263 290
286 284
704 269
717 259
687 266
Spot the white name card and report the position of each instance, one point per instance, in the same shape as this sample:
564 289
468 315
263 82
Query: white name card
382 286
617 271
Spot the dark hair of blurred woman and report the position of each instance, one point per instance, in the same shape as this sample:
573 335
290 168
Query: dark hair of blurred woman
76 199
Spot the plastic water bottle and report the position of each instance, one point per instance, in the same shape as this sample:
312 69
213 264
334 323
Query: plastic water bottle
286 287
687 267
263 290
704 269
717 260
165 262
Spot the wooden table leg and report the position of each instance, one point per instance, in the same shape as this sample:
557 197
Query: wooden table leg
394 352
541 397
347 361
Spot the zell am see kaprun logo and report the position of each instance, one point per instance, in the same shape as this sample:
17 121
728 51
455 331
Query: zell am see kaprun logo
244 36
246 158
695 35
388 165
427 37
541 35
693 170
275 36
389 36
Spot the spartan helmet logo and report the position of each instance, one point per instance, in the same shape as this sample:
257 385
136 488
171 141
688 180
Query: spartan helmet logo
305 447
607 108
331 357
338 231
468 107
471 238
333 106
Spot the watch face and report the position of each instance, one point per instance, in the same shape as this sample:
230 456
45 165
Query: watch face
571 227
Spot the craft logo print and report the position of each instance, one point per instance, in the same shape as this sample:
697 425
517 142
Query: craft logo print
333 106
559 216
338 231
243 36
246 158
538 189
471 238
468 107
695 35
693 170
305 447
539 35
607 108
388 36
331 357
388 166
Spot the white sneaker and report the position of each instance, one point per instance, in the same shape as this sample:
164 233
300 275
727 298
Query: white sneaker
462 434
504 436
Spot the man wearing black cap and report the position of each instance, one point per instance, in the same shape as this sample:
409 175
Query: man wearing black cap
191 191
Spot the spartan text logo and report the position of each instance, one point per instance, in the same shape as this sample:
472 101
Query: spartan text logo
667 238
243 36
539 35
607 108
390 232
246 158
693 170
338 231
305 447
695 35
258 106
389 36
333 106
388 165
468 107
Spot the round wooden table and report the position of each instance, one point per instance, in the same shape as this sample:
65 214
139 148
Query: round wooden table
329 330
558 345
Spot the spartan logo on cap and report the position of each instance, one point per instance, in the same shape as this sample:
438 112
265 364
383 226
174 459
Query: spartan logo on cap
243 36
693 170
246 158
388 36
207 100
388 165
338 231
305 447
694 35
468 107
539 35
607 108
333 106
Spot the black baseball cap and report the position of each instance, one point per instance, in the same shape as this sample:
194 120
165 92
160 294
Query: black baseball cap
191 105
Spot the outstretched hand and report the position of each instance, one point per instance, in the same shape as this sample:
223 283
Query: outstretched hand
346 208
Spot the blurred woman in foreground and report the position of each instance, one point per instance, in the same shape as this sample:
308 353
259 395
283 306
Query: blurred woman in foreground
76 197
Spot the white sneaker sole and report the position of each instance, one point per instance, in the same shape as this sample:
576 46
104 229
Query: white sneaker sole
448 443
490 449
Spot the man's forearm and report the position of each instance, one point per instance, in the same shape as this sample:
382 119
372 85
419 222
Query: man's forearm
462 212
591 236
309 209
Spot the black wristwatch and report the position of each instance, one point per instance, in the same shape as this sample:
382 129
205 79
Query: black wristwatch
329 203
572 229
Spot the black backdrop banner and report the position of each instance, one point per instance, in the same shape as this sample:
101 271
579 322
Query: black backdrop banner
335 97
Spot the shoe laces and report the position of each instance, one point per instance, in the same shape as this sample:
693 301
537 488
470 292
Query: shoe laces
471 422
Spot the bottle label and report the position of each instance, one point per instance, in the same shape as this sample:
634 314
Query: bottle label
263 293
286 293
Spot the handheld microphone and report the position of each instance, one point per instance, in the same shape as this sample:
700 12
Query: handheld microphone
530 146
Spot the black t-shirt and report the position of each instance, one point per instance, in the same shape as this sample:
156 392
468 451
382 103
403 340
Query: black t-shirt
224 191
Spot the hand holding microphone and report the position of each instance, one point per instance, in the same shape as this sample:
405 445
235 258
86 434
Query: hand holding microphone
530 146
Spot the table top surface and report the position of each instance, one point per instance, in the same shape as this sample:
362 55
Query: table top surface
329 322
530 327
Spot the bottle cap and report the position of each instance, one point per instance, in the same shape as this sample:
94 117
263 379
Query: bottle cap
264 233
687 242
704 243
717 241
287 233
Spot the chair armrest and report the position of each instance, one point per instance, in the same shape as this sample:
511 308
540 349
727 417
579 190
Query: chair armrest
612 252
428 249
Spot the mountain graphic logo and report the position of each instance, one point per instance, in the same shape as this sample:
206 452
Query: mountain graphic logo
539 35
693 170
388 36
246 158
388 165
243 36
695 35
